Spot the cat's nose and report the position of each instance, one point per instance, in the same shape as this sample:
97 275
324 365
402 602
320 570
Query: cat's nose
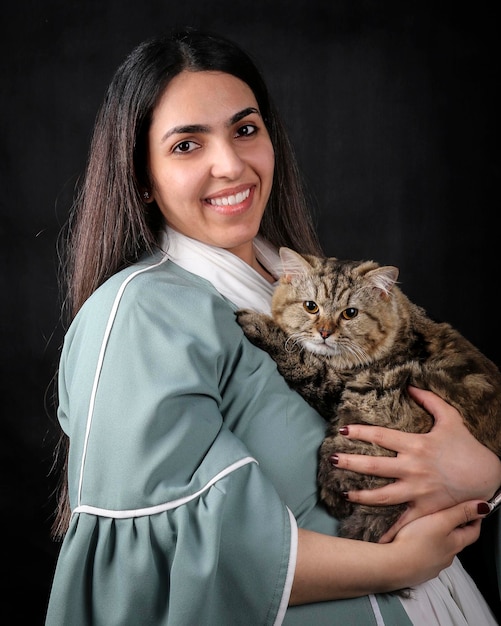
324 333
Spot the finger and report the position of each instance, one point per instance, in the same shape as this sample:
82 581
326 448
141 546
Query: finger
431 403
384 466
393 493
463 515
466 512
467 518
388 438
423 397
467 534
460 522
411 513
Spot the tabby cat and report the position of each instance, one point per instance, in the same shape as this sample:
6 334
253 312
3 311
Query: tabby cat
350 342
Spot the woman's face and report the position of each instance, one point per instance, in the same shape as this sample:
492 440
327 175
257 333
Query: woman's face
211 160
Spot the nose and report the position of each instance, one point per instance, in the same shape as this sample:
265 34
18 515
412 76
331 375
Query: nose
227 163
325 332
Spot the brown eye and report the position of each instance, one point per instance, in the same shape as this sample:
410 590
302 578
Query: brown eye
350 313
310 306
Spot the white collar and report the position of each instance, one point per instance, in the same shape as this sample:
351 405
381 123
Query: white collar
232 277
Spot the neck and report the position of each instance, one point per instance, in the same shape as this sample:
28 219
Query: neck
247 254
263 271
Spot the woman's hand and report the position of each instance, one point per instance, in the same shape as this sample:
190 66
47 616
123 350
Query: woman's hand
430 543
432 471
330 568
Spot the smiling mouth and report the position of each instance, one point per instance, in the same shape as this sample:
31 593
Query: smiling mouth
230 200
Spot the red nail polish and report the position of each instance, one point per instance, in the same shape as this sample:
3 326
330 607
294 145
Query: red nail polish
344 430
483 508
334 459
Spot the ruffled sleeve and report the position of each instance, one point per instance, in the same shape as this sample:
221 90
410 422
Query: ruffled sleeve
174 521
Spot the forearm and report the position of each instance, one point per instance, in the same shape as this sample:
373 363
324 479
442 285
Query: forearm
331 568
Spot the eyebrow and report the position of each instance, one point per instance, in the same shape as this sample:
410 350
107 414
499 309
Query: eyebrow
202 128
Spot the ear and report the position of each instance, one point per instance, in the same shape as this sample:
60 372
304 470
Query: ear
293 264
383 278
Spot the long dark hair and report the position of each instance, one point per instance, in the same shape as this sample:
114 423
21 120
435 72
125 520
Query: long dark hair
111 225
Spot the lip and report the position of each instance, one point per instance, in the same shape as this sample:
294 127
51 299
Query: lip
235 208
229 191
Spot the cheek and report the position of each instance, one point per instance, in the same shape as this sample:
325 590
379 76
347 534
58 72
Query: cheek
176 183
262 160
269 160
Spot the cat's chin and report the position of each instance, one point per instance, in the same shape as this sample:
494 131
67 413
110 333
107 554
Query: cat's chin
322 349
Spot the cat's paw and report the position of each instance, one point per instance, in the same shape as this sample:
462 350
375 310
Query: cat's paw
253 324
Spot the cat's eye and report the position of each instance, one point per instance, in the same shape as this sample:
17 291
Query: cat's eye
310 306
349 313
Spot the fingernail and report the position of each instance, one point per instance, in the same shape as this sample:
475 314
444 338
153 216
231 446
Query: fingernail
346 495
344 430
334 459
483 508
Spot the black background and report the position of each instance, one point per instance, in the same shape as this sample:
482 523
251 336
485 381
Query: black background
390 106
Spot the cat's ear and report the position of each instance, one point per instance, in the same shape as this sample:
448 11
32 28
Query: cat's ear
292 264
383 278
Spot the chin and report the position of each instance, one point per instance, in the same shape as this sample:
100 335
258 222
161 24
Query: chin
319 348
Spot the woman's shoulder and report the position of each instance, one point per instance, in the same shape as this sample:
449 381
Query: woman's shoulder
154 279
153 273
157 289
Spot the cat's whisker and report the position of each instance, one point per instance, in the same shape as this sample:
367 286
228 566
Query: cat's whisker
294 340
359 353
351 352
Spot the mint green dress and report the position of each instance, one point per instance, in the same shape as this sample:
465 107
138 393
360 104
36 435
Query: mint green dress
190 463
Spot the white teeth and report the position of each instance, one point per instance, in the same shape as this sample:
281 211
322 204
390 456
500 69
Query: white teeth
229 200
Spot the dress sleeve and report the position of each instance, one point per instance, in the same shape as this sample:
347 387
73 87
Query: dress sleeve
174 521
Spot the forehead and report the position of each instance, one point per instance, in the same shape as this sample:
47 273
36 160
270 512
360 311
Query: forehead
202 97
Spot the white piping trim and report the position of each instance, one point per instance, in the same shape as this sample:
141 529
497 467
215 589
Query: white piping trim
377 611
165 506
291 569
99 365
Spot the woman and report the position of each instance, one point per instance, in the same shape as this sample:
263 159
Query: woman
191 463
